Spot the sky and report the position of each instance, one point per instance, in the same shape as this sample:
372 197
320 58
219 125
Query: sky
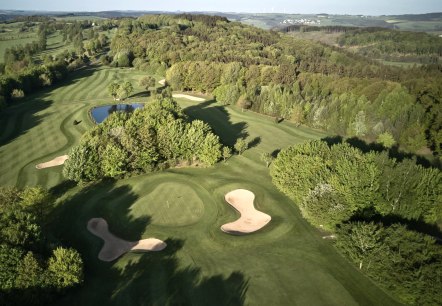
365 7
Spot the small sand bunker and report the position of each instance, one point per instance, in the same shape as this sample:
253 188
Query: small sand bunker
188 97
114 247
162 82
52 163
251 219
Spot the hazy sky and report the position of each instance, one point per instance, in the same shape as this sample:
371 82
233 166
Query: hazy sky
369 7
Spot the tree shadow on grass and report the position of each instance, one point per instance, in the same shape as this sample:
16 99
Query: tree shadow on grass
141 94
24 113
158 279
254 142
152 278
17 119
219 119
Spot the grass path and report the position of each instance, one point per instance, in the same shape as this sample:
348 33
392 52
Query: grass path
285 263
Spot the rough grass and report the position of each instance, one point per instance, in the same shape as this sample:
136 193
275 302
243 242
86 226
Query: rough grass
285 263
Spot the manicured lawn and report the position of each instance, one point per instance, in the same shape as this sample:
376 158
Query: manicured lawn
285 263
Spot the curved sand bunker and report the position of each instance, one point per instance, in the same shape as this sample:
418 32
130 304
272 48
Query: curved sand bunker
114 247
188 97
58 161
251 219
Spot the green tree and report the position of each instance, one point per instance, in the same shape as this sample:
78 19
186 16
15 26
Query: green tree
324 207
125 90
113 89
65 268
114 160
386 139
244 102
210 151
29 273
10 258
360 241
267 158
226 153
227 94
240 146
359 126
147 82
83 163
38 200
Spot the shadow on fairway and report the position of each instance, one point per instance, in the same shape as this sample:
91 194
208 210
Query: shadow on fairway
24 112
23 117
219 119
158 279
152 278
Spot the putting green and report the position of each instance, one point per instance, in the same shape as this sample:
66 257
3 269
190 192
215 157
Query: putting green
170 204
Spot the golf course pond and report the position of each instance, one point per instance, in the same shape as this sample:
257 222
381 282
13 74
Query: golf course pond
100 113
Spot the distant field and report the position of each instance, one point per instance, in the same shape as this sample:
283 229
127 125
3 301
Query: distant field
11 37
73 18
286 263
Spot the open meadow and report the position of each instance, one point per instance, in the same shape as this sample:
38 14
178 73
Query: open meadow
285 263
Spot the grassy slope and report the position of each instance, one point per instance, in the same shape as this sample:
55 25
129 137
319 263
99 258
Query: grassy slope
286 263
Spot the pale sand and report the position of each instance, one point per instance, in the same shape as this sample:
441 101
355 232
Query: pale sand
52 163
114 247
251 219
162 82
192 98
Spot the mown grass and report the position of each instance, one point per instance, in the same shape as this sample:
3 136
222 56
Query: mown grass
285 263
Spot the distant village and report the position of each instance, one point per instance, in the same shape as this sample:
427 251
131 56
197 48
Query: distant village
301 21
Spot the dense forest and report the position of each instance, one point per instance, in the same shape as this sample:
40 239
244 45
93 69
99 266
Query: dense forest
297 80
34 269
157 136
378 207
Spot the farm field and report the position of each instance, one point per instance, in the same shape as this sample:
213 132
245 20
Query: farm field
285 263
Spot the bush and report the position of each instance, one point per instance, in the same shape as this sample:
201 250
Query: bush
17 94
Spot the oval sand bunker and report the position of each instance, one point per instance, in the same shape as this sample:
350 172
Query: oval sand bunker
114 247
251 219
58 161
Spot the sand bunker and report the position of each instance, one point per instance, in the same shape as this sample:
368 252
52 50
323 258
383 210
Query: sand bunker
162 82
251 219
52 163
197 99
114 247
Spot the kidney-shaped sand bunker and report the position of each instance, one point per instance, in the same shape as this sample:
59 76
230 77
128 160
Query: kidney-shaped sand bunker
251 219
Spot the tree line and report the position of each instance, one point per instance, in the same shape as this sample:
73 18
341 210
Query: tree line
34 269
298 80
155 137
371 202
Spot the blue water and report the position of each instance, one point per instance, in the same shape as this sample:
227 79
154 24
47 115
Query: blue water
101 112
